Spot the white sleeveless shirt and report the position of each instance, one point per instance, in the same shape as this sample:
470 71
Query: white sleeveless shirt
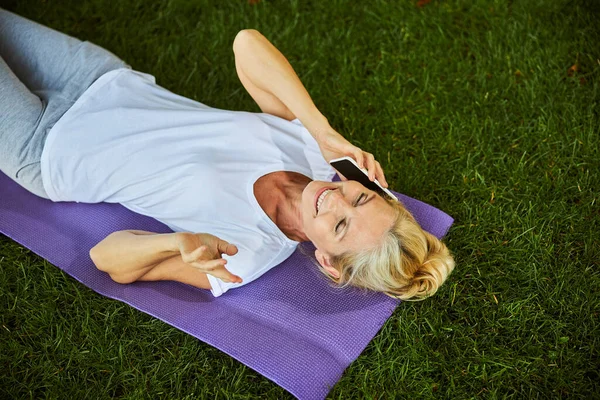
127 140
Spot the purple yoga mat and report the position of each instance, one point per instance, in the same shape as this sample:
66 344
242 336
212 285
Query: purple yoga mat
290 325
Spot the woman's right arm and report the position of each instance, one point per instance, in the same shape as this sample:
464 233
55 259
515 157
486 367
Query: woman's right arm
272 82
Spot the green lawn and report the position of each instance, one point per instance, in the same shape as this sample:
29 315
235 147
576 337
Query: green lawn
488 110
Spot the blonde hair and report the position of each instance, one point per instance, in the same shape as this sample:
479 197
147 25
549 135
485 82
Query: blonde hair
409 264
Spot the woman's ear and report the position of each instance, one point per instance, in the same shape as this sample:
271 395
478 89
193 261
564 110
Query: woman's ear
324 261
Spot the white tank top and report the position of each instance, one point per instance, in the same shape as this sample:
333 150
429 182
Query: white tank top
127 140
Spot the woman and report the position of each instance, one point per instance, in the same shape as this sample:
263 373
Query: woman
238 189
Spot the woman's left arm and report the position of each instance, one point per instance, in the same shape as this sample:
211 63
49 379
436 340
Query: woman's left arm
272 82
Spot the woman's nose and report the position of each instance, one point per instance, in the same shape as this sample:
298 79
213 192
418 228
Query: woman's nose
339 200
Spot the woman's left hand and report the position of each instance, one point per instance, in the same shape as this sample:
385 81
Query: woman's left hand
333 145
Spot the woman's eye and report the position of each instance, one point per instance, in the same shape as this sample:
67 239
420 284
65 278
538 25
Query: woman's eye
362 195
343 222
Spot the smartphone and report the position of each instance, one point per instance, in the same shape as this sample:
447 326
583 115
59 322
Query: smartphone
350 169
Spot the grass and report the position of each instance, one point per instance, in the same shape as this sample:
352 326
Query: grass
472 106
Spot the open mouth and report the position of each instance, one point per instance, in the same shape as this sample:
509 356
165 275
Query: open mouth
320 197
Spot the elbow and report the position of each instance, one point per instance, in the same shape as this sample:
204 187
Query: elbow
122 279
243 38
100 255
96 256
102 265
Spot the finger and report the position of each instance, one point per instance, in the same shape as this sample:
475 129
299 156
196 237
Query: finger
342 177
227 248
199 252
223 274
380 175
371 166
209 265
359 158
190 256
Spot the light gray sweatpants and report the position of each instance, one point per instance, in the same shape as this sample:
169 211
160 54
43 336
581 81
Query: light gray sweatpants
42 73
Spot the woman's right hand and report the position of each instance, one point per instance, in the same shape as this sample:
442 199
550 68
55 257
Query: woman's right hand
204 251
333 145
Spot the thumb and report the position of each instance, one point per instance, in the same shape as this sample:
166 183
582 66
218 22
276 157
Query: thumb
227 248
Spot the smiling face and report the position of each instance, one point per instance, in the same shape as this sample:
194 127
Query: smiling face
349 217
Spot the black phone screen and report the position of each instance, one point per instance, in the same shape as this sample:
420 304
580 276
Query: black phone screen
352 172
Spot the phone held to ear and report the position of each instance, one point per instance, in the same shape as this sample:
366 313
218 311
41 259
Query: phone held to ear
350 169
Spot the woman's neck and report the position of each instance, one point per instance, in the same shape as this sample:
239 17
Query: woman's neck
280 196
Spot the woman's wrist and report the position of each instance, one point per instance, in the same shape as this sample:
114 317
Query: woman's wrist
174 240
317 126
